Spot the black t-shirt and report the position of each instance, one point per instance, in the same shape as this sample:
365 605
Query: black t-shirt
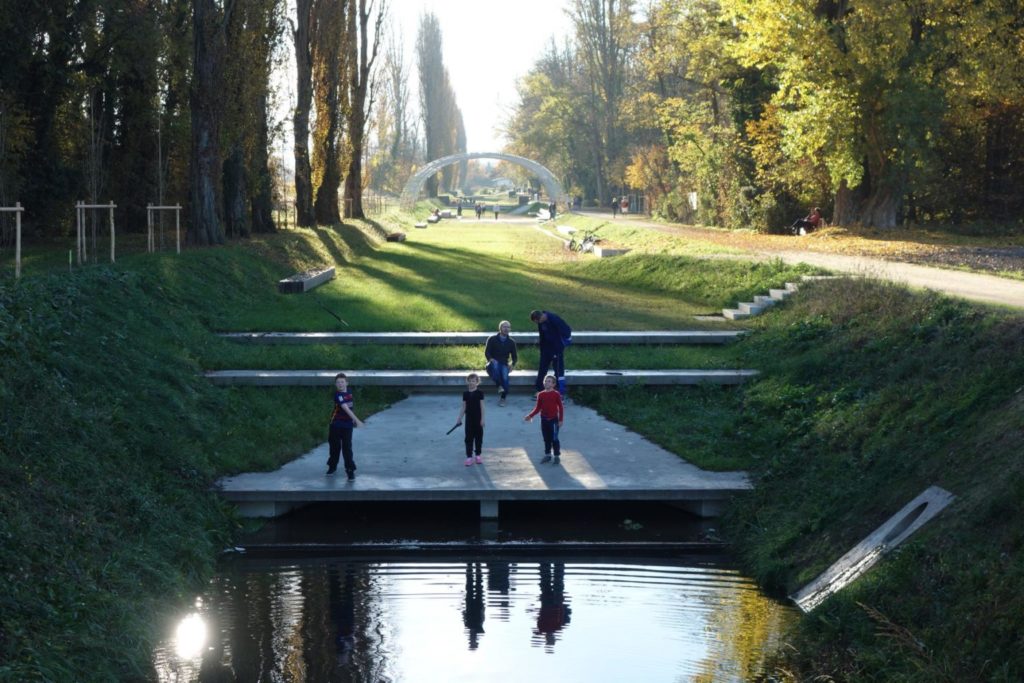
473 401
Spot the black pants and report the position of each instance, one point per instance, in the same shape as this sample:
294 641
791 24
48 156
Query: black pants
549 430
547 359
474 437
339 440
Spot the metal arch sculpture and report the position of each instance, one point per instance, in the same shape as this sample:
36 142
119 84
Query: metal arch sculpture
417 179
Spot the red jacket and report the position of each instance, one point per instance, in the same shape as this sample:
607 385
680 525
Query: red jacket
549 405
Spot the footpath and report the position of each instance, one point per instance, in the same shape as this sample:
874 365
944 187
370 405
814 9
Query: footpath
980 287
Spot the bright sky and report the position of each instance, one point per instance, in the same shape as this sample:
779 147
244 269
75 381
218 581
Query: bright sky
488 46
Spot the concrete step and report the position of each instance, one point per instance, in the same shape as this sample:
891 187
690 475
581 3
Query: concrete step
456 379
780 294
763 300
792 286
579 338
751 308
734 314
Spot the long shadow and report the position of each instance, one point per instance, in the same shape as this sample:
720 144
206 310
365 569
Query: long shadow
484 284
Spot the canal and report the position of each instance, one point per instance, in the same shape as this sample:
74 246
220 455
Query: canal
403 592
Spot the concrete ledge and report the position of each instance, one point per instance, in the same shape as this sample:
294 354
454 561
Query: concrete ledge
581 338
303 282
608 252
456 379
706 503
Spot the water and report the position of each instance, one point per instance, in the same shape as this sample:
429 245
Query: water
502 611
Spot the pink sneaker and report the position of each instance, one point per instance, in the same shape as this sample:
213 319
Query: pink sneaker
469 461
479 460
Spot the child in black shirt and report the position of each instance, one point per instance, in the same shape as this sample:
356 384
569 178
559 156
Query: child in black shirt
473 410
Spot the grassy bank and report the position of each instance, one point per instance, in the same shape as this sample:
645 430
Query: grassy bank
869 394
110 440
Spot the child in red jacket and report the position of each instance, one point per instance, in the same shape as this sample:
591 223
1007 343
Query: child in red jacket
552 414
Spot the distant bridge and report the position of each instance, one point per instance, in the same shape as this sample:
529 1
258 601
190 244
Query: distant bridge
547 178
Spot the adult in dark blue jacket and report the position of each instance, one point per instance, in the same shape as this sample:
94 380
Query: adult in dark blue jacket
554 335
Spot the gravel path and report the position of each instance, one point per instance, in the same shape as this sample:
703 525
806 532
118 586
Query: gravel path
915 263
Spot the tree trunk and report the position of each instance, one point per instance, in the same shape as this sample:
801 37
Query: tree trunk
325 208
304 98
205 164
845 205
235 194
354 179
262 197
360 62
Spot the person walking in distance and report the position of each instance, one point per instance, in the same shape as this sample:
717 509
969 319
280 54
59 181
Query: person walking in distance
339 437
554 335
552 415
473 411
500 353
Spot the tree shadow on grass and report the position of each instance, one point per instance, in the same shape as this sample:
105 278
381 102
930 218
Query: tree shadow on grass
487 288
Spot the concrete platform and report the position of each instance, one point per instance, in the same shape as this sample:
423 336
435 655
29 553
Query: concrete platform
479 338
456 379
403 453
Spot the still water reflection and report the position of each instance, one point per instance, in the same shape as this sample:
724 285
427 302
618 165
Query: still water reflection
508 618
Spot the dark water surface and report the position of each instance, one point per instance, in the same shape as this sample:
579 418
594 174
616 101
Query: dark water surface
427 595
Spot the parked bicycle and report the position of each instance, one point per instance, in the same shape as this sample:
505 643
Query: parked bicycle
586 243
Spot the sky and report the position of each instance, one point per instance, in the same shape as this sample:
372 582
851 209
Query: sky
488 46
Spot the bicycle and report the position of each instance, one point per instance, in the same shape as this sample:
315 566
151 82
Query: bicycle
586 244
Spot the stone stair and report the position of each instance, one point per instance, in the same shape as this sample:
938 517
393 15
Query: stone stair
760 303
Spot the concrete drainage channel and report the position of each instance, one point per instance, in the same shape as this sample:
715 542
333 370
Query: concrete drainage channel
881 541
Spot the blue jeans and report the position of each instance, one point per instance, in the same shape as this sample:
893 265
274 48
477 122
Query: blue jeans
549 430
499 373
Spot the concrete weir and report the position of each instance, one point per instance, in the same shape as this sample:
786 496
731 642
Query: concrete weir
579 338
404 454
456 379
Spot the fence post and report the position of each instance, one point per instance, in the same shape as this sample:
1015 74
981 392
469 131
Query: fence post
111 230
177 227
78 232
17 240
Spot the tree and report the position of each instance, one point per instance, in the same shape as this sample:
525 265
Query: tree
604 32
205 101
252 31
301 35
361 86
864 86
438 107
395 140
331 100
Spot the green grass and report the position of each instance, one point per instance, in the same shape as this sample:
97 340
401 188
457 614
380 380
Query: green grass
468 276
232 355
623 233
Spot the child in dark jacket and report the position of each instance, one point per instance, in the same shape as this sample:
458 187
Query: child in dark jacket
552 415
